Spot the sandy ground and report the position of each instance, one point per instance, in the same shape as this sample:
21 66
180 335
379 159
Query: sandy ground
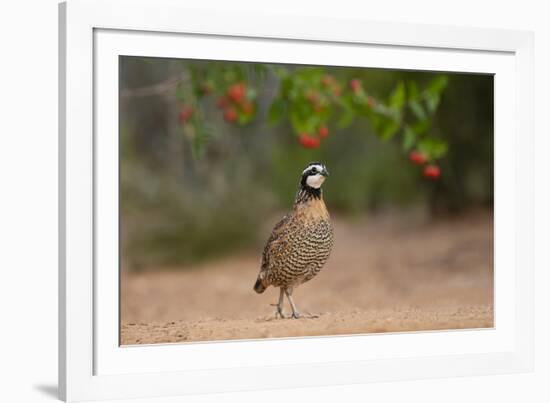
386 274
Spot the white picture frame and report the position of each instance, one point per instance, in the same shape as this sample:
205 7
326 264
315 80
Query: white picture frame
92 365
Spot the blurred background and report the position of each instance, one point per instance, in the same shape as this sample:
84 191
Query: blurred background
211 155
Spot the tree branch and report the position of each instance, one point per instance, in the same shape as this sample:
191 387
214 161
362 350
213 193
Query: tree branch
161 88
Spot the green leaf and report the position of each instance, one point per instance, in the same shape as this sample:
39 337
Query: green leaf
276 111
389 129
230 76
433 147
310 75
286 87
397 97
433 92
432 102
413 91
409 139
303 122
346 119
417 109
279 71
313 122
245 118
437 85
298 124
261 71
421 126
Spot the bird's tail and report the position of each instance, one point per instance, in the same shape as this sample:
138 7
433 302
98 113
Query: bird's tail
258 286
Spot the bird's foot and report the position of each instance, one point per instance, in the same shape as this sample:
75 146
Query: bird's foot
307 315
279 312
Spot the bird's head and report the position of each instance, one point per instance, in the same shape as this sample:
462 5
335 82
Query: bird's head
314 175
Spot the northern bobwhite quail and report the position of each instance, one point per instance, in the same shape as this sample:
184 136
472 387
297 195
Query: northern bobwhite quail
300 243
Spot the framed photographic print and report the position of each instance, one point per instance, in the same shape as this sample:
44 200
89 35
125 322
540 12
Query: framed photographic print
244 207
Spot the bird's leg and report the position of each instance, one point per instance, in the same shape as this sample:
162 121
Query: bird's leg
279 305
295 313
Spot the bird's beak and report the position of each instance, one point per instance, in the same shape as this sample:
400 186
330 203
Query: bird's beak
325 173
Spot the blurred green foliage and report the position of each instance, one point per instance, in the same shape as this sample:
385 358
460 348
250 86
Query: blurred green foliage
211 150
312 100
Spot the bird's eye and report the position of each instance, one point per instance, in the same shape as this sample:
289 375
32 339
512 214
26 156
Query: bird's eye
314 170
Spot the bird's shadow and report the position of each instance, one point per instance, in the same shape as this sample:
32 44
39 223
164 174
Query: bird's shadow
48 390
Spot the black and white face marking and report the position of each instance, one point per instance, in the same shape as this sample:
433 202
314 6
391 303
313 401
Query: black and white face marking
314 175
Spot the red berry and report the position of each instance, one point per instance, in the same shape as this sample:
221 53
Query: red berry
230 114
315 143
355 85
323 132
308 141
237 92
417 157
432 172
186 113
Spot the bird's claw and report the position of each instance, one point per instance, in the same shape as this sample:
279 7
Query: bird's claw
279 312
298 315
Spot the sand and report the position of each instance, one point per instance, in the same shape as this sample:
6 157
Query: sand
386 274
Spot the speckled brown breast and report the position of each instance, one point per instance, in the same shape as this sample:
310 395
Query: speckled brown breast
299 245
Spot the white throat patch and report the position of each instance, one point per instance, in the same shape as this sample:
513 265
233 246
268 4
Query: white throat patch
315 181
